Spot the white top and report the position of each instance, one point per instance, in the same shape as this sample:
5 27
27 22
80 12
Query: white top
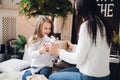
90 59
37 59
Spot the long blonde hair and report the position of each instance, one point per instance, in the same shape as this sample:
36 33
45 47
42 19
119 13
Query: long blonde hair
37 32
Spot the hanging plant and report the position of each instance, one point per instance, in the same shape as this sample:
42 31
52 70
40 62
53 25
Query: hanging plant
54 8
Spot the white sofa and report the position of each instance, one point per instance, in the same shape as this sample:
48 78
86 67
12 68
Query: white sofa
13 69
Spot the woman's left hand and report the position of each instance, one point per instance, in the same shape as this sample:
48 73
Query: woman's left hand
54 49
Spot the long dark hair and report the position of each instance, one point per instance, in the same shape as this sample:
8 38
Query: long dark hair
89 10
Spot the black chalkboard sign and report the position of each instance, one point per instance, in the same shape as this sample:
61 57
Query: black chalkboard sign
111 10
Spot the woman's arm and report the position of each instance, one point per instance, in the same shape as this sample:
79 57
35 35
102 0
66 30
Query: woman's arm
82 48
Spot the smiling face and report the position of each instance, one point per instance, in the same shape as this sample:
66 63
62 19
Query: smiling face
46 28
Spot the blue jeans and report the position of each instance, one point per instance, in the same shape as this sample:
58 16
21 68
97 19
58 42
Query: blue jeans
75 75
46 71
70 69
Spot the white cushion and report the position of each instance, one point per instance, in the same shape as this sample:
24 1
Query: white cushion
13 65
26 56
11 76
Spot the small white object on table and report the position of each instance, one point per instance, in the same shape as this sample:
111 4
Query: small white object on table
37 77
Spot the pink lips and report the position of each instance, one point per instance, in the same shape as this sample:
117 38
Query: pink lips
46 33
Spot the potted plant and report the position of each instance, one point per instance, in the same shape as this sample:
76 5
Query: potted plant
53 8
19 45
116 40
115 44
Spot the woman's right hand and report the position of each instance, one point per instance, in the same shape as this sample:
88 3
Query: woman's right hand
70 45
54 49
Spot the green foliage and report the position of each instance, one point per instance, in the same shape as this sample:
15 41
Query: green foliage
54 8
116 39
20 42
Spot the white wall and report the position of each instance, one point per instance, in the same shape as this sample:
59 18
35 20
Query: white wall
23 26
10 3
6 12
0 30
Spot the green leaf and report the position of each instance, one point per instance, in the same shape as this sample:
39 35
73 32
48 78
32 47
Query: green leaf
54 8
20 42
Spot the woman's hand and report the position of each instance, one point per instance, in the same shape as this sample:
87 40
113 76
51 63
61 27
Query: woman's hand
54 49
70 45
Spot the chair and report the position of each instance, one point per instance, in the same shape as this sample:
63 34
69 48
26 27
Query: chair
2 53
2 48
10 49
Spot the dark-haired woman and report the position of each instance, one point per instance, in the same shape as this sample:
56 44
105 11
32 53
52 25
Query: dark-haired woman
92 52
